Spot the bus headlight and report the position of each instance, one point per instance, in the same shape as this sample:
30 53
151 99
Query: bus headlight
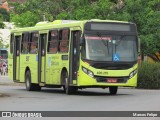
90 73
132 73
85 70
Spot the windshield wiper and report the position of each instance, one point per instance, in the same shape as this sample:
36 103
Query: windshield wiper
120 40
106 44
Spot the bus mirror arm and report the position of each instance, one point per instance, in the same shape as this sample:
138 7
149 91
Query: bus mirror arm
81 41
139 45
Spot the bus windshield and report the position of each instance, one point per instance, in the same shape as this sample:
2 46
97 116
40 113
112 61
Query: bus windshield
115 48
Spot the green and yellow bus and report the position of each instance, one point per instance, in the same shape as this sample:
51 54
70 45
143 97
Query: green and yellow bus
75 55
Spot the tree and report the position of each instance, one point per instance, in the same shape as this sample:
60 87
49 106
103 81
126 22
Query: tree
85 9
25 19
41 8
4 16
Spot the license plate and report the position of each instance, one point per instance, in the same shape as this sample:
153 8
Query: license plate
111 80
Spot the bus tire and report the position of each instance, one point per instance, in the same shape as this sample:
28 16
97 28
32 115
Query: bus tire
68 89
113 90
30 86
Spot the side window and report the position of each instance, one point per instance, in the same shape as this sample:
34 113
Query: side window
64 40
53 41
11 43
25 43
33 44
17 45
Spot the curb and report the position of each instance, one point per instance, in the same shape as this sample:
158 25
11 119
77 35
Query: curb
4 76
11 84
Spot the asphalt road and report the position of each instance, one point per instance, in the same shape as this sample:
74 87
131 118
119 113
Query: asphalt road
15 98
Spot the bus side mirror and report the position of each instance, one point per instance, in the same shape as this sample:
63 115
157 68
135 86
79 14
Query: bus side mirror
139 45
81 41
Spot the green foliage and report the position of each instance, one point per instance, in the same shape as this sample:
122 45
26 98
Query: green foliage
5 14
40 8
25 19
63 15
149 76
1 25
149 24
86 9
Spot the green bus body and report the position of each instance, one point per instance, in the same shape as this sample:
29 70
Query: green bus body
76 67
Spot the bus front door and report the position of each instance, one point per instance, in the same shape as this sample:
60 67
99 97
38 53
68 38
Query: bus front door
16 59
42 58
74 56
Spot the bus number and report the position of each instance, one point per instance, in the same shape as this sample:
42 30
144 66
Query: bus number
99 73
102 73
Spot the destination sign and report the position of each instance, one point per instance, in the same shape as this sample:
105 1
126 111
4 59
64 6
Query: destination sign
97 38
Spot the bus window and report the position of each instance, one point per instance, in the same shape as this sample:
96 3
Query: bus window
17 45
24 45
33 46
11 43
53 41
64 40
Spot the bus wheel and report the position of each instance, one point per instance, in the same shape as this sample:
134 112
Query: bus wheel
68 89
30 86
113 90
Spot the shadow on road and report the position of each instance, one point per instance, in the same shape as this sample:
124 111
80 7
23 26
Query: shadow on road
4 95
86 92
80 92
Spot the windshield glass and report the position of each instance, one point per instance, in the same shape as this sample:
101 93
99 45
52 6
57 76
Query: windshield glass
110 48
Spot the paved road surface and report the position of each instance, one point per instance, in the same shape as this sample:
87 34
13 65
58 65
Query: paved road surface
18 99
